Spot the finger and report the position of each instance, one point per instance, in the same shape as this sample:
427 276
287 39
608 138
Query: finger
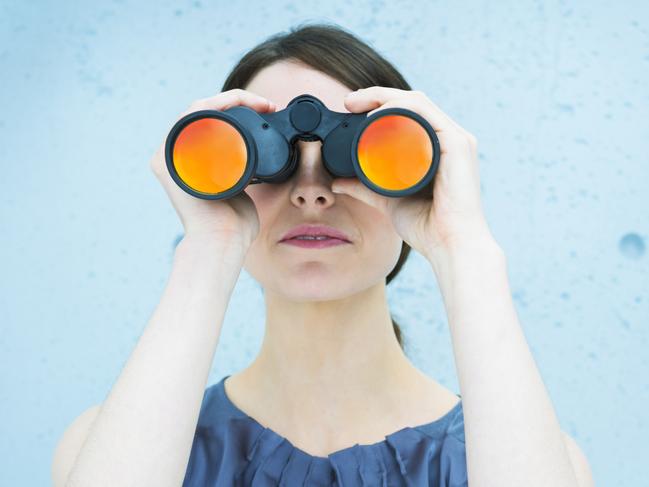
231 98
236 97
366 99
450 139
441 113
374 98
464 137
356 189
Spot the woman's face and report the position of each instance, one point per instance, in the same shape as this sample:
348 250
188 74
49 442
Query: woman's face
320 274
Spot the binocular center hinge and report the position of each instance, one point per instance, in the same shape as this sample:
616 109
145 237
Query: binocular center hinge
305 116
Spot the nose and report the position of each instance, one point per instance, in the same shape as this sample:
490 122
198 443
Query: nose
311 182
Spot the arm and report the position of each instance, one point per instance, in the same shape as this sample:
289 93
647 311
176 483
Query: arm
513 437
143 431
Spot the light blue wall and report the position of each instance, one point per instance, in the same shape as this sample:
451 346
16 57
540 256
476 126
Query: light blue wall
556 92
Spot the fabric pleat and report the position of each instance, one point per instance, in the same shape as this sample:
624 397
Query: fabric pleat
232 449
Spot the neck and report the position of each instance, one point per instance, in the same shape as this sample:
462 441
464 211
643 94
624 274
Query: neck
318 347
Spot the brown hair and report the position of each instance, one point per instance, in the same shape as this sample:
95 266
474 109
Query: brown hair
336 52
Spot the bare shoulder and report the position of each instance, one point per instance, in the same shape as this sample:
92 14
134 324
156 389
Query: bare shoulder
436 400
70 444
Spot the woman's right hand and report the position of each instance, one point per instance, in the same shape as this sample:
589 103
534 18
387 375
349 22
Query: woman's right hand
231 221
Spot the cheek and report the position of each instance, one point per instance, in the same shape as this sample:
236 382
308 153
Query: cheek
262 196
382 244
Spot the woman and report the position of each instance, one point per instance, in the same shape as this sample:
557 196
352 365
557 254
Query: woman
331 399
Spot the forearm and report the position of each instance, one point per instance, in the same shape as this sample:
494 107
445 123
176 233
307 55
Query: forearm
512 433
144 430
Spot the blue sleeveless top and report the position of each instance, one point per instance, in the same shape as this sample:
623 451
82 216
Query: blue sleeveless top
231 449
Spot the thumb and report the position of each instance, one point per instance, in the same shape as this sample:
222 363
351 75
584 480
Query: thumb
356 189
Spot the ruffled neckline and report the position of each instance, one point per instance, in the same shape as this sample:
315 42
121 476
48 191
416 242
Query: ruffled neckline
414 454
435 428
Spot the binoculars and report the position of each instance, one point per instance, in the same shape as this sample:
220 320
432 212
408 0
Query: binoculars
214 154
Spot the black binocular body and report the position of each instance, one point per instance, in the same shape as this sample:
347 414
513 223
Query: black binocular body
213 154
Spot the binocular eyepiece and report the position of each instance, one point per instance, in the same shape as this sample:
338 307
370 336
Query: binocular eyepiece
214 154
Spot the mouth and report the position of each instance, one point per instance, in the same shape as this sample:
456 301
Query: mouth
315 236
314 243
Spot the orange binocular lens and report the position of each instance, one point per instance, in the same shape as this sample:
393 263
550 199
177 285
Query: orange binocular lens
395 152
210 155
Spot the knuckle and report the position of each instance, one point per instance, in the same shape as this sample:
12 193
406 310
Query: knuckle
195 104
404 102
456 140
153 163
230 92
154 169
156 163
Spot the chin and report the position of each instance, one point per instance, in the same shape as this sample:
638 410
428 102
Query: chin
323 287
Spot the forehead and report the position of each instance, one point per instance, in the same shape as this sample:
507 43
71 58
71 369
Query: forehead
284 80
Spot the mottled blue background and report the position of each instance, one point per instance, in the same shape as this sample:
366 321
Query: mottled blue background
556 93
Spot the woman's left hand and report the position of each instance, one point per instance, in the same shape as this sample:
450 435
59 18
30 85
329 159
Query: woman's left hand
454 214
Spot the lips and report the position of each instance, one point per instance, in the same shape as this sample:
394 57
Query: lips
315 230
